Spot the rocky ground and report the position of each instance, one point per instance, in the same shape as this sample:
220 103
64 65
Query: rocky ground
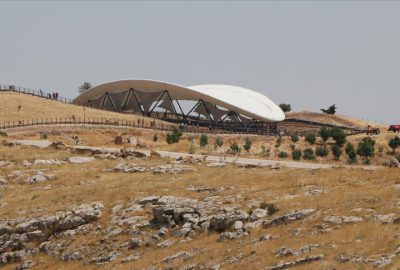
81 208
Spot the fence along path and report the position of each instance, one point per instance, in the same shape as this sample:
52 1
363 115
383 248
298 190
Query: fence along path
120 123
33 92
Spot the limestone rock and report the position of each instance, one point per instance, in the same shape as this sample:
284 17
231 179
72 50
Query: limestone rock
80 159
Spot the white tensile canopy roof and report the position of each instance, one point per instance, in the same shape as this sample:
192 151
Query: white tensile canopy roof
241 100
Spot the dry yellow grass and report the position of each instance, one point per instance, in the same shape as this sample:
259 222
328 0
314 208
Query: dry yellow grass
33 108
336 119
345 190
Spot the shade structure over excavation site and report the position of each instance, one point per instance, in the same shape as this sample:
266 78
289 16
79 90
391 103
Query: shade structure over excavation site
211 104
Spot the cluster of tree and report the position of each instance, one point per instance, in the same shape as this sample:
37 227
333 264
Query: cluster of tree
285 107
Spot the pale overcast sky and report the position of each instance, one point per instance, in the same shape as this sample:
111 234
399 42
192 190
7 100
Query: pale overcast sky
310 54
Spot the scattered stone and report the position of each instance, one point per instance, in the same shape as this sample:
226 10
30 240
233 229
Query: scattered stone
225 221
337 220
300 261
130 258
25 265
48 162
258 214
80 159
179 255
216 164
394 163
238 225
382 262
289 217
389 218
135 243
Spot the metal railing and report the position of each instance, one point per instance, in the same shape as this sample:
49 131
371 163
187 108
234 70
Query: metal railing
34 92
129 123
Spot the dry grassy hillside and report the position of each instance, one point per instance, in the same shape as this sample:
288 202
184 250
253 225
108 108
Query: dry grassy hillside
353 224
37 108
339 120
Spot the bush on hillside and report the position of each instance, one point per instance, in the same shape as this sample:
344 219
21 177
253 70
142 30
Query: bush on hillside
294 138
325 134
336 151
351 153
366 149
296 154
278 142
394 143
310 138
247 144
203 141
308 154
219 142
174 136
285 107
3 133
339 136
235 147
321 151
155 138
282 154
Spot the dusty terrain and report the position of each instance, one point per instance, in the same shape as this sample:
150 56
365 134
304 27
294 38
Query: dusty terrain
68 206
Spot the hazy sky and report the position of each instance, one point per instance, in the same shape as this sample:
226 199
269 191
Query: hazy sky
309 54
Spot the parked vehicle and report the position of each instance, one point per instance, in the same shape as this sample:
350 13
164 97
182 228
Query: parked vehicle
394 128
373 130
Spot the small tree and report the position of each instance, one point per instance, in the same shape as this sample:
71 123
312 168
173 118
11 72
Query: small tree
351 153
308 154
339 136
282 154
330 110
310 138
337 152
325 134
394 143
235 147
296 154
84 87
247 144
219 142
285 107
203 140
174 136
278 142
366 149
155 138
321 151
294 138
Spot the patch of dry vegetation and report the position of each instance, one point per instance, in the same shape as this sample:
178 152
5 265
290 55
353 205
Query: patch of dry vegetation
344 191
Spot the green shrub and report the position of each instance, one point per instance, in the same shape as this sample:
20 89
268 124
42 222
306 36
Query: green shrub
219 142
336 151
398 157
296 154
292 146
174 136
294 138
325 134
203 141
270 207
278 142
394 143
285 107
235 147
366 149
247 144
351 153
155 138
308 154
321 151
339 136
310 138
282 154
3 133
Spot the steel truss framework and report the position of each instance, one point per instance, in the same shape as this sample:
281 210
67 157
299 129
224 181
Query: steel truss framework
139 102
